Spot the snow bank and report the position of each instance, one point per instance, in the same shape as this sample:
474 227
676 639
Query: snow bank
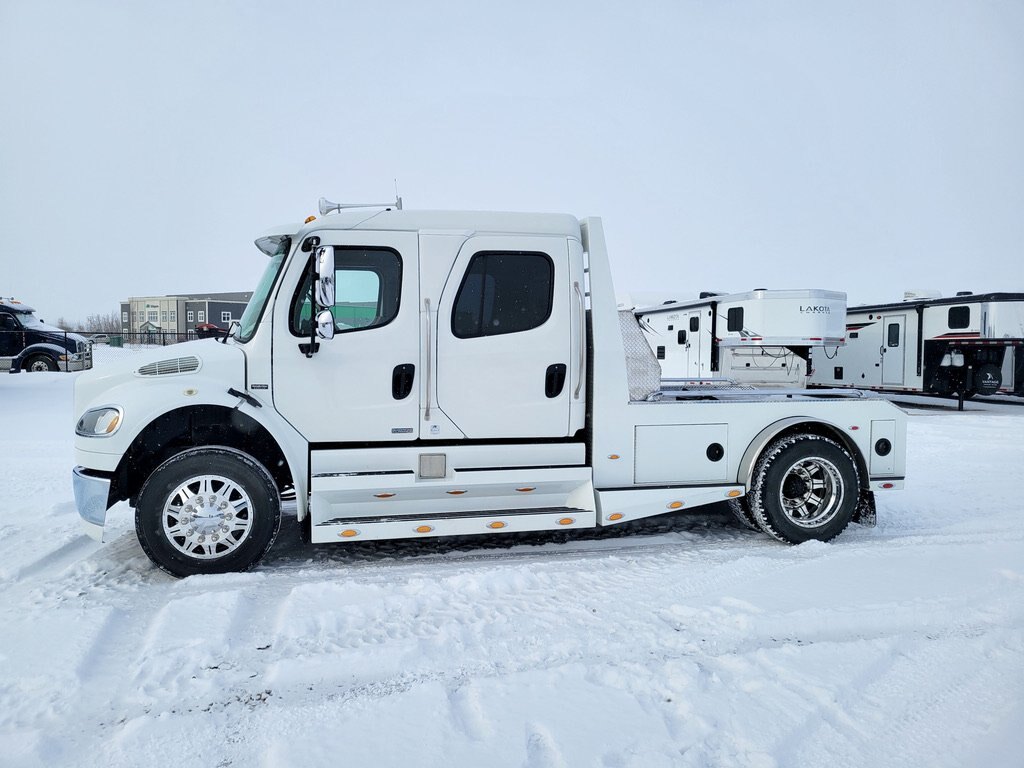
681 642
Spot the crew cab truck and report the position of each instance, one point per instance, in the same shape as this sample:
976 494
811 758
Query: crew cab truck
419 374
29 344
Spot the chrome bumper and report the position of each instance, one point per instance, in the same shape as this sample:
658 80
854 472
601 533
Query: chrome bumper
91 495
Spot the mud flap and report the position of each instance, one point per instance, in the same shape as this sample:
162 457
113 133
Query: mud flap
865 513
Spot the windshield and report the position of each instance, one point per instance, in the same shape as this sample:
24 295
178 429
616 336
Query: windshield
254 309
31 321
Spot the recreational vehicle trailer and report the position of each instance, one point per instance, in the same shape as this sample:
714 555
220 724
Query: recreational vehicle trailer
972 343
761 337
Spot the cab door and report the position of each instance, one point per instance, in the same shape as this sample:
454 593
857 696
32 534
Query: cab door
505 338
362 385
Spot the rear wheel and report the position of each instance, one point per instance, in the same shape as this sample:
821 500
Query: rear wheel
740 509
208 510
805 487
40 363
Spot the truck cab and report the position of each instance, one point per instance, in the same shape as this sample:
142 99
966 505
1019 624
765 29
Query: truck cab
421 373
29 344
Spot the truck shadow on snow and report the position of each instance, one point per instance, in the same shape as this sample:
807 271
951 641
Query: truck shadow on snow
713 526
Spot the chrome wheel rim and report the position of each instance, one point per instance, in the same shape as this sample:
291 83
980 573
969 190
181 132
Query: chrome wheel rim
207 517
38 366
811 492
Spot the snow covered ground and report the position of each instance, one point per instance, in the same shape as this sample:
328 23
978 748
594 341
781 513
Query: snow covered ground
682 642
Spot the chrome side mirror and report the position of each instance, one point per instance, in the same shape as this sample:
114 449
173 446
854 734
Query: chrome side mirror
325 324
324 266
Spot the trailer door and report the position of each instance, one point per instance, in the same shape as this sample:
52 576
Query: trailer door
692 323
893 350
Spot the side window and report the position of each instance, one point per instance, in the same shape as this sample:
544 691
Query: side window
959 317
367 289
735 319
894 335
503 293
695 324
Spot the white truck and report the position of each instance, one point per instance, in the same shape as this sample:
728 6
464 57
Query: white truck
417 374
761 337
970 344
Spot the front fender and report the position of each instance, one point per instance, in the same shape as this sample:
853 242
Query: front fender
52 351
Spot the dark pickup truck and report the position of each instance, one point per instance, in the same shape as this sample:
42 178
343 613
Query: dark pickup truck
28 344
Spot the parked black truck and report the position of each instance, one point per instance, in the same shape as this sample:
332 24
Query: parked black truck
29 344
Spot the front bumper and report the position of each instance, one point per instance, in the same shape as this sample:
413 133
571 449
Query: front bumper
91 494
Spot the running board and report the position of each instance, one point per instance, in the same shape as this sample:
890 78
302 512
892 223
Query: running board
397 504
452 524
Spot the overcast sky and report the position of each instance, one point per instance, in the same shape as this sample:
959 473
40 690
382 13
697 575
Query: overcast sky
869 146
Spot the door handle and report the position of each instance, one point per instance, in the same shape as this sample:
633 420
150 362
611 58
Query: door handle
401 380
554 379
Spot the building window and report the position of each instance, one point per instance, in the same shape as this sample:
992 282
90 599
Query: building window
174 316
202 316
152 316
225 317
190 316
503 293
163 316
124 317
959 317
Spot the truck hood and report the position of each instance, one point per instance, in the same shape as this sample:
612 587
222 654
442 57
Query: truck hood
186 364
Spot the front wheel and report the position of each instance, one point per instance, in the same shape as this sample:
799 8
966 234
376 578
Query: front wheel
208 510
40 363
804 487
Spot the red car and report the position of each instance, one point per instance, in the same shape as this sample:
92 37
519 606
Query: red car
209 330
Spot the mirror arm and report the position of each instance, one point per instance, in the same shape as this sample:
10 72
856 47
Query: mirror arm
313 346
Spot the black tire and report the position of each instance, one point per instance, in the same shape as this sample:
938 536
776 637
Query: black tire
805 487
232 526
740 509
39 363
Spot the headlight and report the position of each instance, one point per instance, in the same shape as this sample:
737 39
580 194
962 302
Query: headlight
100 422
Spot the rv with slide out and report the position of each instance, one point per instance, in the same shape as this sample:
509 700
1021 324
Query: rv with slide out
417 374
970 344
762 337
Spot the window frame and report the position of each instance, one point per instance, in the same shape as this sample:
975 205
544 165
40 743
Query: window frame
496 252
959 309
302 289
734 327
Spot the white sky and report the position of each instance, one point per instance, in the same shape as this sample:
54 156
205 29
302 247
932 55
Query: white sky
865 146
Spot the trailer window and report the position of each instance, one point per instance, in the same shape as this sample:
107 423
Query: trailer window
959 317
367 288
735 319
894 335
503 293
694 324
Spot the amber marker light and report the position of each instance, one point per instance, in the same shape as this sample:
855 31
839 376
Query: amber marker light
496 525
455 493
525 490
348 533
734 494
309 219
615 516
567 521
424 529
383 495
614 456
675 505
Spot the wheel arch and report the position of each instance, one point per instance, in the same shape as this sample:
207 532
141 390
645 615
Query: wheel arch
194 427
792 426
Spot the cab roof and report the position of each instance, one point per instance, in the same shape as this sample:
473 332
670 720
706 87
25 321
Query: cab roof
463 222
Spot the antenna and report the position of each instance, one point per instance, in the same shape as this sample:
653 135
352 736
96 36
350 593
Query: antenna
398 198
326 206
